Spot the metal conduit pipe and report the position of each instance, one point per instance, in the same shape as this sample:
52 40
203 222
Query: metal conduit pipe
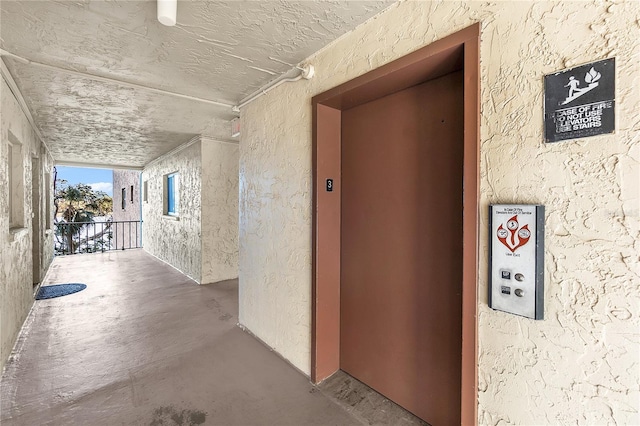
306 71
112 80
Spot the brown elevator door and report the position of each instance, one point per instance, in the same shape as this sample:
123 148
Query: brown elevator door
401 249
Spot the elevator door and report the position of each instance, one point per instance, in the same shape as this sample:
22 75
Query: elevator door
401 247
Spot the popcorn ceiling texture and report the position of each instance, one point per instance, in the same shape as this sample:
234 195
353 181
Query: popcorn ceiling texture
228 49
219 50
176 242
126 127
580 364
219 211
16 271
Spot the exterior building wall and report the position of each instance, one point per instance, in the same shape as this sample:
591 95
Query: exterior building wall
128 180
175 240
580 364
219 211
16 243
202 241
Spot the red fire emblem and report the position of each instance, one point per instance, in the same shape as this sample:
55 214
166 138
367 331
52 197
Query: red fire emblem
514 237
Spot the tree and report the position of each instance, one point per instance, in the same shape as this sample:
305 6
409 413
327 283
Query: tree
78 204
105 205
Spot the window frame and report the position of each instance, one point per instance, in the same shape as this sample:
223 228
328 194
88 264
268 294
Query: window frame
47 200
16 182
172 194
10 180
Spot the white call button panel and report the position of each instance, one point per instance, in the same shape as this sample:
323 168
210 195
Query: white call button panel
516 250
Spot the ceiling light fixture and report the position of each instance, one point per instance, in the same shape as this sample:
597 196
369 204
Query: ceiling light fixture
167 12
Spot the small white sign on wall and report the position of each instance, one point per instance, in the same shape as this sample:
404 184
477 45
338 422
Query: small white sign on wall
516 250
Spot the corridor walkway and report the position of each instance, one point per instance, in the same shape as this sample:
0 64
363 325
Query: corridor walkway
145 345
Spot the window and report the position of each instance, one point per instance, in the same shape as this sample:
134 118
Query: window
11 179
47 198
145 189
172 199
132 193
124 198
16 183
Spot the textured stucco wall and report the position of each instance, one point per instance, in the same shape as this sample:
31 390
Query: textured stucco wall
16 261
132 209
176 242
579 365
219 211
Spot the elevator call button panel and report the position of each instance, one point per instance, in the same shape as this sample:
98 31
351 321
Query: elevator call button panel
516 259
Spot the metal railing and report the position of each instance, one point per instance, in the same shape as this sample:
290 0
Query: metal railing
95 237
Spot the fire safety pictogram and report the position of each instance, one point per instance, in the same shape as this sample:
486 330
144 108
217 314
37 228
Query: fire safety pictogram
514 236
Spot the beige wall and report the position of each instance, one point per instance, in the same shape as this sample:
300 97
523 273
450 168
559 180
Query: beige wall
132 211
16 259
580 364
176 242
219 211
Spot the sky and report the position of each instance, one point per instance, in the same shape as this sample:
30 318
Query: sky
98 179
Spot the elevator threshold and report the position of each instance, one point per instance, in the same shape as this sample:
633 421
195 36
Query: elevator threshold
365 403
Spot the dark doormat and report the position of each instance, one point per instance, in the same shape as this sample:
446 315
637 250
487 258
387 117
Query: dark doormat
51 291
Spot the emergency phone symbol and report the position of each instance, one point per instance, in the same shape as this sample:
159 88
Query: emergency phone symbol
513 237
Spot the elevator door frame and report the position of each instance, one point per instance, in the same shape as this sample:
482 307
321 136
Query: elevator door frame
459 51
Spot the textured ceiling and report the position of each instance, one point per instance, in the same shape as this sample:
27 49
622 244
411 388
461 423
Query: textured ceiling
219 50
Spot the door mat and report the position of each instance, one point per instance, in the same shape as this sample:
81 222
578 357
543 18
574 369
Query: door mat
51 291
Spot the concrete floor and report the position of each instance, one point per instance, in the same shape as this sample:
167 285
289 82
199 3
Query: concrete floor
145 345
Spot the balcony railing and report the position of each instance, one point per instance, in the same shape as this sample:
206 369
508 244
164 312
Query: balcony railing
94 237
